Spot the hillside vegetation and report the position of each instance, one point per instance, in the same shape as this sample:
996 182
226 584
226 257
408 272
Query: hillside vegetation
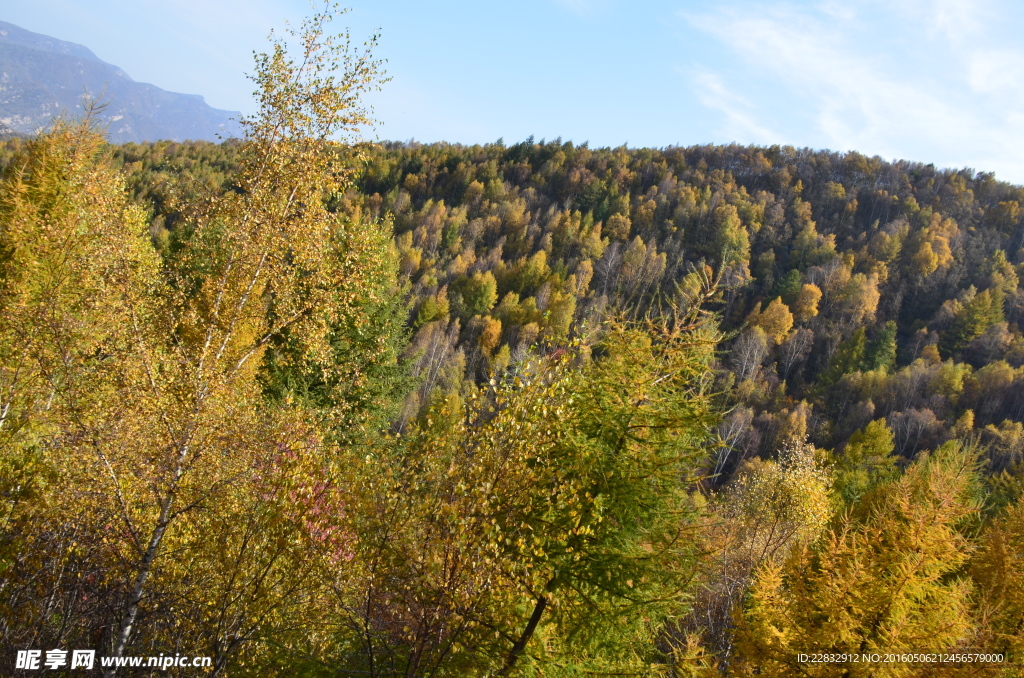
851 289
322 408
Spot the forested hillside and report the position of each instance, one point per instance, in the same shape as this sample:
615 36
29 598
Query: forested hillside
306 406
852 289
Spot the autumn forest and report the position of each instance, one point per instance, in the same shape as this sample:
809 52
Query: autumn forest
314 406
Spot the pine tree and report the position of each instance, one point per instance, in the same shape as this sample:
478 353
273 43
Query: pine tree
848 358
976 316
881 353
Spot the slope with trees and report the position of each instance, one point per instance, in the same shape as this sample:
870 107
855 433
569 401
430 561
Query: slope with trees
317 408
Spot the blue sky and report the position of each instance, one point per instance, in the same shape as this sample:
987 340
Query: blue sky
929 80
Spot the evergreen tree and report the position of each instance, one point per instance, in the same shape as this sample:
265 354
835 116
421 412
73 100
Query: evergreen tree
848 358
789 286
866 461
881 353
976 316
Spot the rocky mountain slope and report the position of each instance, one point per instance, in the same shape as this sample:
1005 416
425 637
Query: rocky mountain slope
41 77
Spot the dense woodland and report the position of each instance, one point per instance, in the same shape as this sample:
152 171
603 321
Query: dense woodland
324 409
851 289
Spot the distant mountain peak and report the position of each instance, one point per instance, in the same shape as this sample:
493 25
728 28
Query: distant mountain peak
42 77
15 35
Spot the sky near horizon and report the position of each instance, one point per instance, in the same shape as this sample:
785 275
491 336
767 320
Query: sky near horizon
934 81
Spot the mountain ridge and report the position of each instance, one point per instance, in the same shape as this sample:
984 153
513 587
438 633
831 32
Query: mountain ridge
42 77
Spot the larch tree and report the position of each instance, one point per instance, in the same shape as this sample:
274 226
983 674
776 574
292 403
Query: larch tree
75 267
999 570
886 579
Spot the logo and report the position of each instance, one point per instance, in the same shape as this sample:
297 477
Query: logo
55 659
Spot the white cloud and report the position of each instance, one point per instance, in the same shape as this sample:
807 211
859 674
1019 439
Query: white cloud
907 82
997 72
741 124
956 20
838 10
